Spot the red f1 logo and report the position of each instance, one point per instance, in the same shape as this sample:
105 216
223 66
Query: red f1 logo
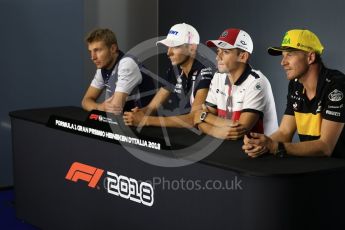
79 171
93 117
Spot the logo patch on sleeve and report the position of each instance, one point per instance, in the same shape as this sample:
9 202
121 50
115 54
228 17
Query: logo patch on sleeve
258 86
336 95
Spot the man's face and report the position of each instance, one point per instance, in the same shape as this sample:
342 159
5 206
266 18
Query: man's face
179 54
227 60
102 55
295 64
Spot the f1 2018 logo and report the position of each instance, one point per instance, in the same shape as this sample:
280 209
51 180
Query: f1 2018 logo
79 171
118 185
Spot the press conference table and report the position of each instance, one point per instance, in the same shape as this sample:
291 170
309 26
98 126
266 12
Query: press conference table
264 193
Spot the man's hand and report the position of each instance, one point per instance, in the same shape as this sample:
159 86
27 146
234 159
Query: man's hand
234 131
258 144
110 107
196 118
134 118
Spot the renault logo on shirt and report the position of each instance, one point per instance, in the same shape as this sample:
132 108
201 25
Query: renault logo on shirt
319 107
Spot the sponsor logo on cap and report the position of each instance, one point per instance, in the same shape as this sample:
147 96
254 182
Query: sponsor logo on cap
286 39
174 32
222 44
224 34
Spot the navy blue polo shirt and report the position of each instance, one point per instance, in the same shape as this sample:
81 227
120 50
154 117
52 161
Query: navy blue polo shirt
140 95
183 88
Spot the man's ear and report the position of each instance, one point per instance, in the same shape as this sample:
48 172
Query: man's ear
243 57
311 57
192 48
113 48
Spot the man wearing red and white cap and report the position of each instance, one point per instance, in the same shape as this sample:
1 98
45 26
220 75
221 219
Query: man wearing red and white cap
185 86
240 98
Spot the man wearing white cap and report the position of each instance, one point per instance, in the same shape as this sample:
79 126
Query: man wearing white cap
185 86
240 98
315 103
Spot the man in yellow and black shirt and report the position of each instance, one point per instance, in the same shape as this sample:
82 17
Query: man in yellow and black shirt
315 103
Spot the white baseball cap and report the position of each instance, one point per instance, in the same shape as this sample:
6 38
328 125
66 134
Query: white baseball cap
233 38
181 34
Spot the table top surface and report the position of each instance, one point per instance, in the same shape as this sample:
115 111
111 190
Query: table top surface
228 155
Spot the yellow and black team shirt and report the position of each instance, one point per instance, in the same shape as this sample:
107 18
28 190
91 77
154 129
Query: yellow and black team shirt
327 104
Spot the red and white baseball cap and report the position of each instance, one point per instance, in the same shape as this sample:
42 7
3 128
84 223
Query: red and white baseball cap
233 38
181 34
